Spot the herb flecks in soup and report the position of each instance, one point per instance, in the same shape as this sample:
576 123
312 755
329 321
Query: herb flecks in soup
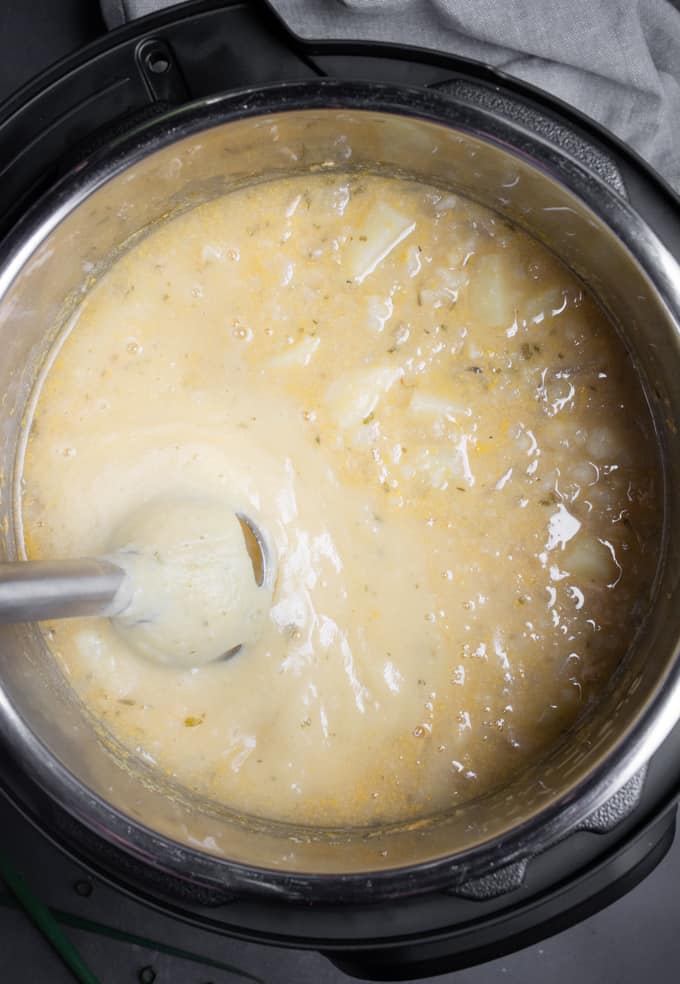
447 445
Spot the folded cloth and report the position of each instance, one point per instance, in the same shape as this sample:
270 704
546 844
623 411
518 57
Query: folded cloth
617 61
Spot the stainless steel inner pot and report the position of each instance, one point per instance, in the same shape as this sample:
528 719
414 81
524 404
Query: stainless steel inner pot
187 157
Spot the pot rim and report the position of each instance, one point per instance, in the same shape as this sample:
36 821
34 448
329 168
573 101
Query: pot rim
628 753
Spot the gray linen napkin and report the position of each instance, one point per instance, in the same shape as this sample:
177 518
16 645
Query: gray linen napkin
618 61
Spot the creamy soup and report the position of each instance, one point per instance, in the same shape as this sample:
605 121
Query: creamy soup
446 444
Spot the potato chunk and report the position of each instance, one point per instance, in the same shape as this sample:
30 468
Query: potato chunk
590 558
493 293
356 394
299 354
382 229
427 404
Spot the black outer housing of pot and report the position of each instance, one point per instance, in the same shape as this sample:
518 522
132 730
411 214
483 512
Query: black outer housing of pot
61 119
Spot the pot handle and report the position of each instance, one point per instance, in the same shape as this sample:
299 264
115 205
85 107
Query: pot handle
555 131
591 890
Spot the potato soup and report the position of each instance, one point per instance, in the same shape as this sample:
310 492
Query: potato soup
442 436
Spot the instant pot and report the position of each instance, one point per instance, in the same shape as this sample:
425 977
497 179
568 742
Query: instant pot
170 112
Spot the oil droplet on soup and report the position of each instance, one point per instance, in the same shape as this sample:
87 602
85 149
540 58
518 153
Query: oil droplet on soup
449 449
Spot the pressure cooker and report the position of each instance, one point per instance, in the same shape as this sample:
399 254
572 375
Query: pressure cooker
169 113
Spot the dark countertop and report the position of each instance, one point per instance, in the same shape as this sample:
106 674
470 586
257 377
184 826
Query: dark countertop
635 939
